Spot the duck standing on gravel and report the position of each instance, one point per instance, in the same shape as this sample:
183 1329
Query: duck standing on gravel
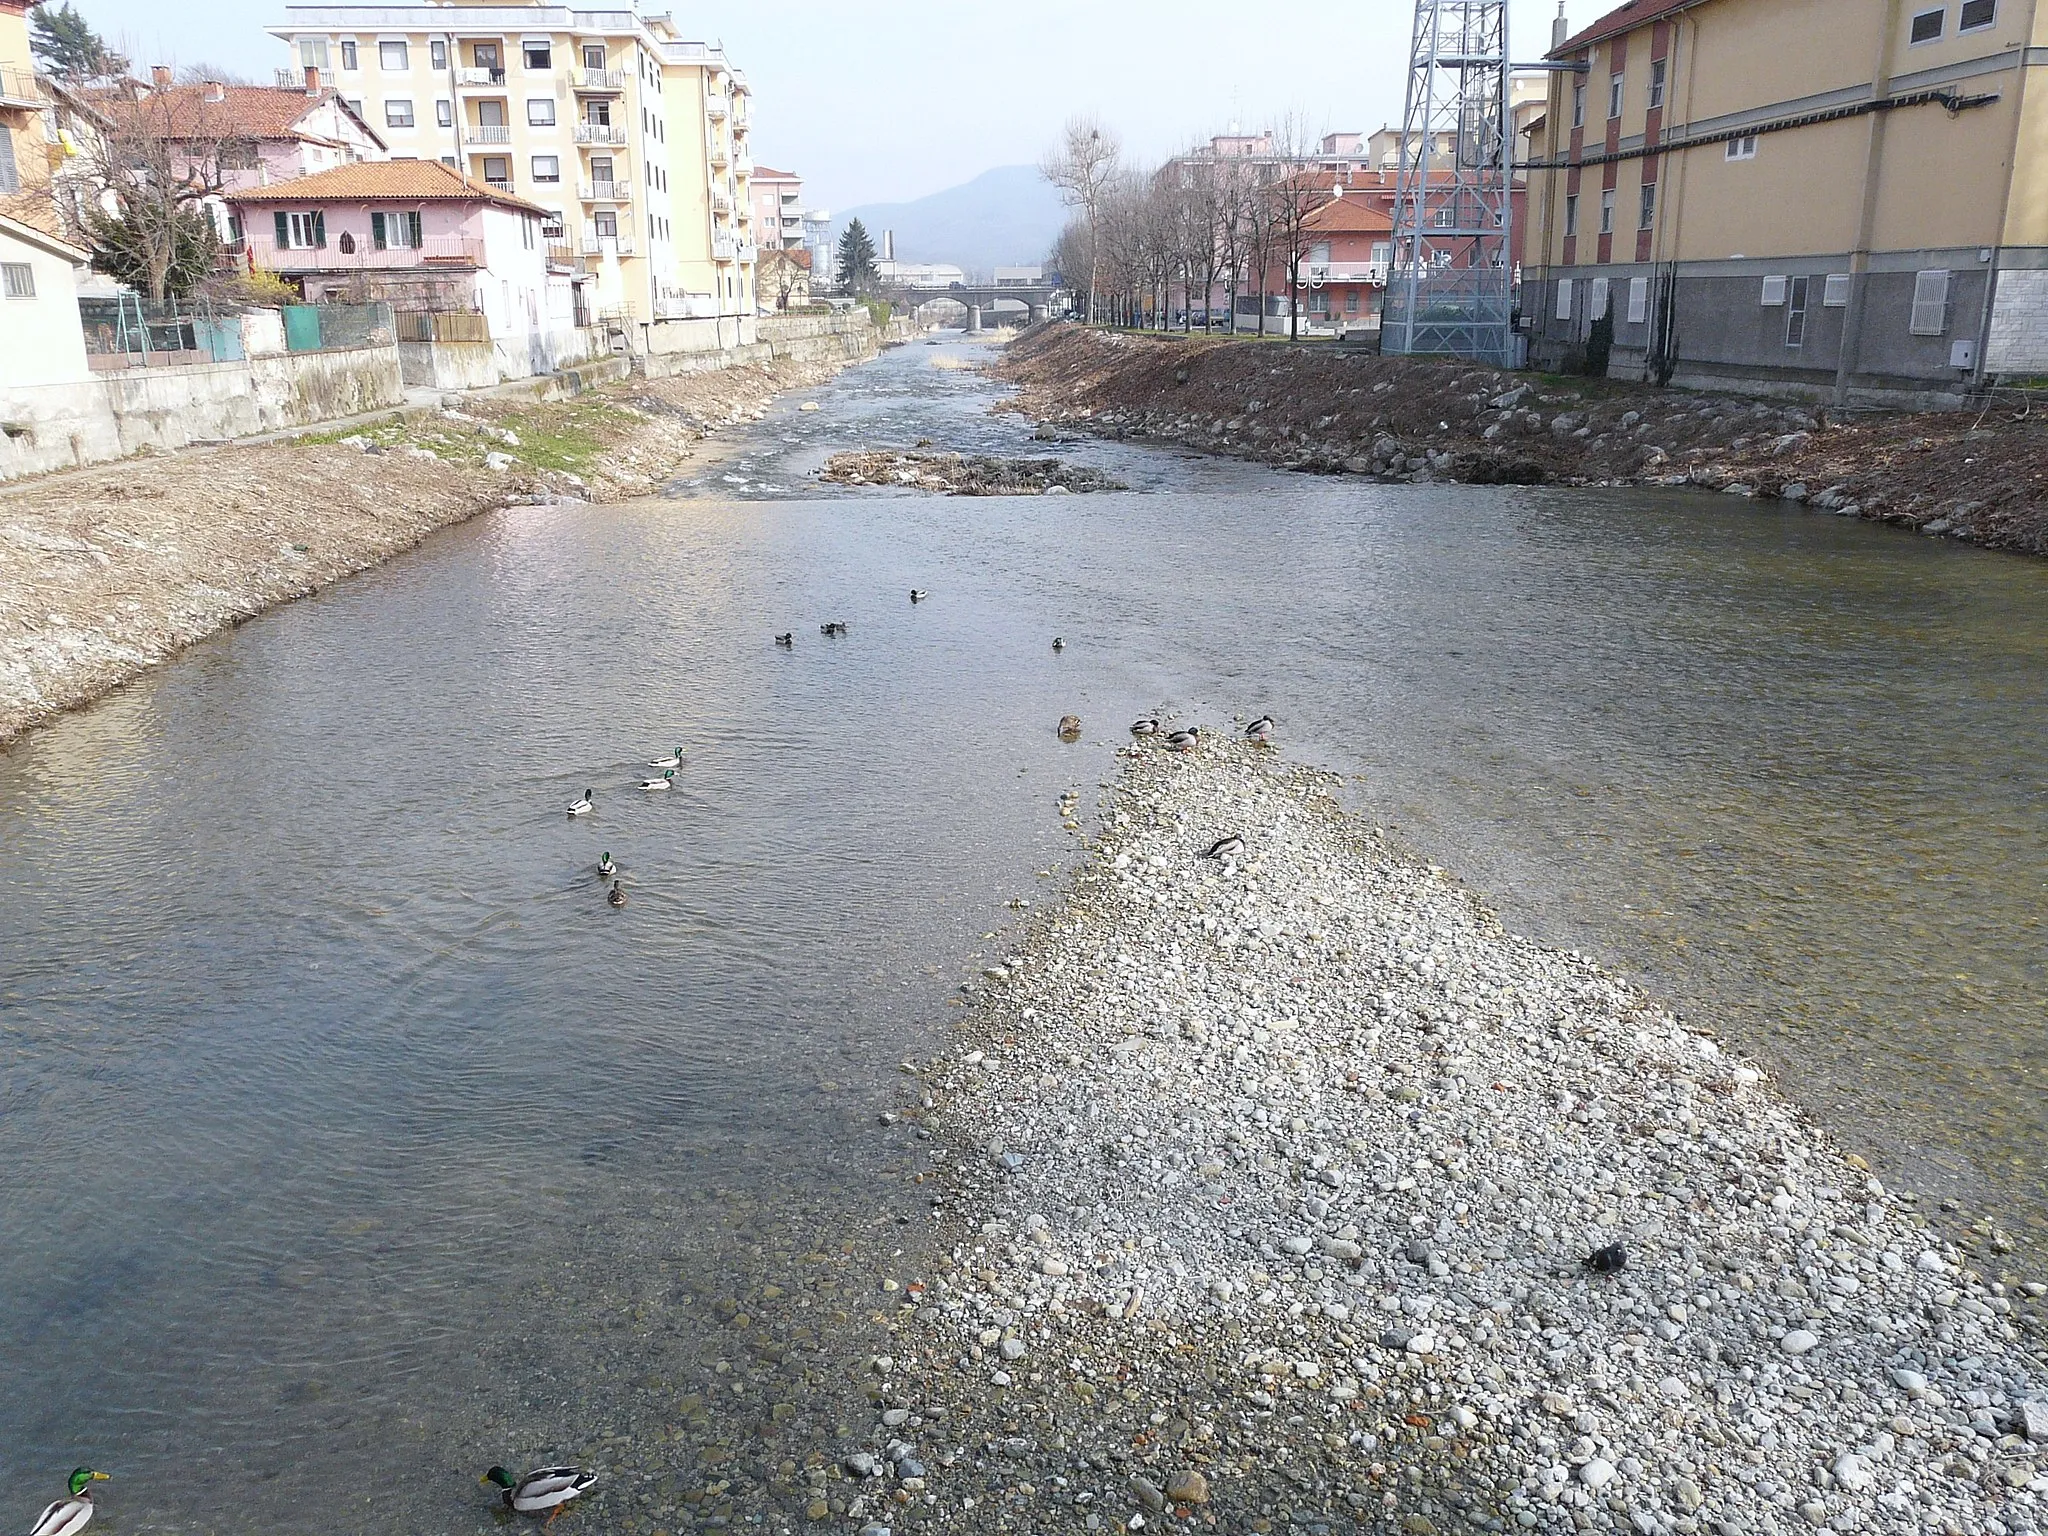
1260 731
1185 741
68 1516
548 1490
1224 848
582 807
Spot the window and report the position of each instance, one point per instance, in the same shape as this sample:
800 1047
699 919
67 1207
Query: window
1774 292
1930 303
313 53
449 161
553 228
396 231
497 171
10 174
1975 14
1596 298
397 113
444 113
1614 95
1795 313
1742 147
393 56
490 114
1646 216
437 53
547 168
1638 300
17 279
1927 25
484 55
540 112
1571 214
1834 294
346 244
607 225
1564 298
355 105
1579 104
1656 83
300 231
348 55
1442 220
539 56
598 113
1607 212
600 167
593 56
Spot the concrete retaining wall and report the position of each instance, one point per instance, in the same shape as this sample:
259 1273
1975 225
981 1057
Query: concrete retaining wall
794 338
63 426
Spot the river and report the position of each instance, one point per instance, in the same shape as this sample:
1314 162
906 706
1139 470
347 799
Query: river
352 1143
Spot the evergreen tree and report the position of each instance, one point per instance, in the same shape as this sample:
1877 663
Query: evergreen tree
856 257
66 44
162 252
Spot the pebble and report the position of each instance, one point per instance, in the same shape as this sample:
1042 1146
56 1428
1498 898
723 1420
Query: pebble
1798 1342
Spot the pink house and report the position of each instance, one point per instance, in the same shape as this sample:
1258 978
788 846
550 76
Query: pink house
778 209
237 136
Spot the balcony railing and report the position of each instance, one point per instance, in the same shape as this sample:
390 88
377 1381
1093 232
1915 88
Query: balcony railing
606 191
479 77
594 245
720 156
18 88
600 133
600 79
716 107
490 133
721 200
746 251
1369 272
436 251
724 247
561 254
623 245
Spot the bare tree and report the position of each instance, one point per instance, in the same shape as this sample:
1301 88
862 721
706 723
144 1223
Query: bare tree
1083 166
1234 194
145 191
1292 195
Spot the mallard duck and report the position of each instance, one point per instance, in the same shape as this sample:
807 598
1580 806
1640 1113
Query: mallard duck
666 781
918 594
1184 741
616 895
1058 644
68 1516
787 642
605 867
1260 730
582 807
1070 727
833 629
548 1489
1145 727
1224 848
673 760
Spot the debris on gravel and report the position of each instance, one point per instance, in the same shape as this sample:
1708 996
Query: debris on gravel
953 474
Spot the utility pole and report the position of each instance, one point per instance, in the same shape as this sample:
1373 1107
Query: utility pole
1452 287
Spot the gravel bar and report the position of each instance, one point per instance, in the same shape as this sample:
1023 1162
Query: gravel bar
1269 1187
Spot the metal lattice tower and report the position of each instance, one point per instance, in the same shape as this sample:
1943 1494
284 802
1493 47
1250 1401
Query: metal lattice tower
1452 285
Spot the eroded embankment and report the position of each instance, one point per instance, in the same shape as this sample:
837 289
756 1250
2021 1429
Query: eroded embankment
107 571
1272 1182
1969 476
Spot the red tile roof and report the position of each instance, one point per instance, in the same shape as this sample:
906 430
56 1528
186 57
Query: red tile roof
763 173
245 111
406 181
1350 214
1623 18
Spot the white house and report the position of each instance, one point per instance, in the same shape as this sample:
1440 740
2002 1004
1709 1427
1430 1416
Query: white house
41 339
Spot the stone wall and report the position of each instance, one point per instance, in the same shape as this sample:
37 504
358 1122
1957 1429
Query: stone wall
2018 340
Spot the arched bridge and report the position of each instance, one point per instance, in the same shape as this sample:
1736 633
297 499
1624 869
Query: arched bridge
981 299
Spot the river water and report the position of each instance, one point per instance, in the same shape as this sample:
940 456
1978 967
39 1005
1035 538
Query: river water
351 1143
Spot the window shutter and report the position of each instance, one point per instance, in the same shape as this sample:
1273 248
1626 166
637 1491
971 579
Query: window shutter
319 230
284 230
413 231
1564 298
377 237
1836 294
1596 299
1774 292
1930 303
10 177
1638 300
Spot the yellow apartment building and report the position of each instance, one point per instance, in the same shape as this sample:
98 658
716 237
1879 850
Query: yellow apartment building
1845 198
627 133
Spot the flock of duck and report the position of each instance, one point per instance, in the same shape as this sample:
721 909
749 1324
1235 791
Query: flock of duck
586 802
1259 733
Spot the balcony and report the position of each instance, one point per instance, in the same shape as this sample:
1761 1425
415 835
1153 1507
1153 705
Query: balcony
18 88
742 164
561 254
623 245
747 251
720 156
595 245
724 248
479 79
715 108
1373 273
610 81
489 133
721 200
606 191
436 251
601 133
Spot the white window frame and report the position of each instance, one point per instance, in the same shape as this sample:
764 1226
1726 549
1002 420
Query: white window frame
1578 103
1638 300
1607 210
1617 93
1797 295
548 178
404 64
1834 293
1940 15
1773 294
1930 303
302 229
1571 214
1646 206
437 53
540 104
1741 148
537 42
1658 68
351 56
394 104
1596 298
444 113
1564 298
17 280
313 54
1963 22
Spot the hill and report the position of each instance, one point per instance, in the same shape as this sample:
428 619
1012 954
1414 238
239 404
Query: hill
1004 217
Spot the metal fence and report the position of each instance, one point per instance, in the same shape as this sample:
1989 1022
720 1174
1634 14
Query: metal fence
338 327
129 331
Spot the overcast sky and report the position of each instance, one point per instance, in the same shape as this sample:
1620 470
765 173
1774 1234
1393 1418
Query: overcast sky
883 103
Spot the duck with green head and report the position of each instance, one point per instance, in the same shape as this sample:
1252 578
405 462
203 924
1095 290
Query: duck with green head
547 1490
68 1516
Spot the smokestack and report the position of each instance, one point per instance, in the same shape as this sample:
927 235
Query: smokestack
160 76
1560 29
312 80
888 245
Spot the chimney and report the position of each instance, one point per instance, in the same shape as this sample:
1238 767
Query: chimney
160 76
216 92
312 80
888 245
1560 29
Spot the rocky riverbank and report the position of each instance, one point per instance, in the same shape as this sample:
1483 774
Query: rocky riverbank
1975 477
1286 1191
954 474
107 571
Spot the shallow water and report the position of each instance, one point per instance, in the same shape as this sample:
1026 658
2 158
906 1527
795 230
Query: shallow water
352 1143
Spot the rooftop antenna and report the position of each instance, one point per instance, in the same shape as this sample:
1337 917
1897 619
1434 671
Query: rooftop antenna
1452 287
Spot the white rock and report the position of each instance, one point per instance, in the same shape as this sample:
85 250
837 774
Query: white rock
1855 1474
1797 1342
2035 1415
1597 1473
1912 1383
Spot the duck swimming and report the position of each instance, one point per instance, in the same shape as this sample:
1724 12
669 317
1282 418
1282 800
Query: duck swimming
673 760
68 1516
787 642
1058 644
606 868
582 807
548 1489
833 629
1225 848
918 594
616 895
666 781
